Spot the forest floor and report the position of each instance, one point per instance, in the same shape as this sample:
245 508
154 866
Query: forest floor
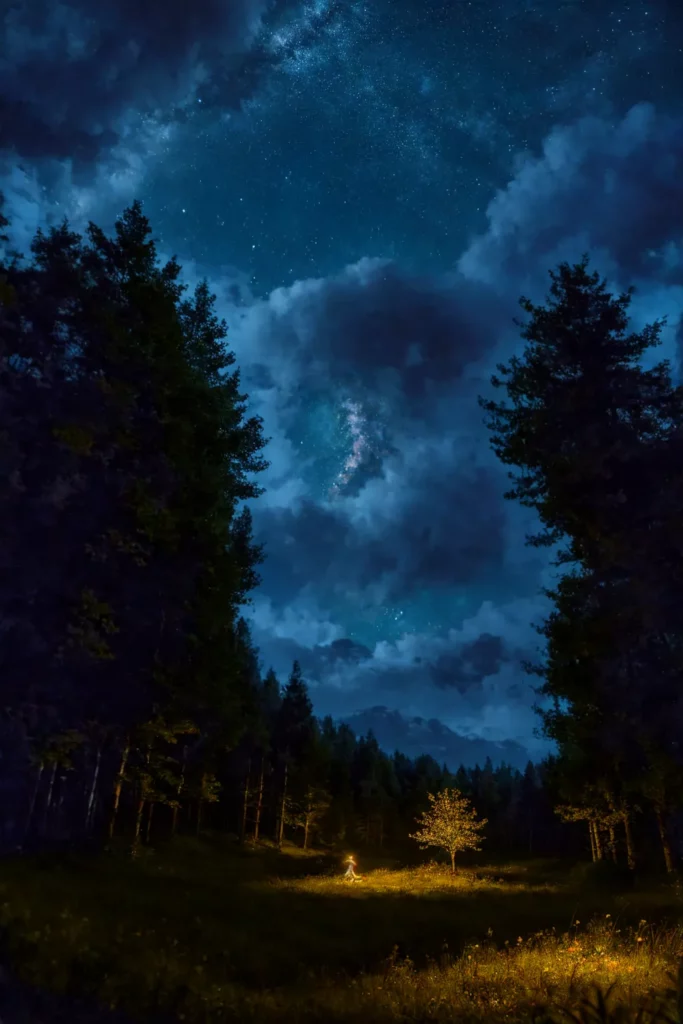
201 928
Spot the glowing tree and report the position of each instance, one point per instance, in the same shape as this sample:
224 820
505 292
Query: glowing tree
450 824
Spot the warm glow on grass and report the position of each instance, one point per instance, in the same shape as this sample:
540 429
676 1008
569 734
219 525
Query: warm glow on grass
545 970
493 981
215 933
421 881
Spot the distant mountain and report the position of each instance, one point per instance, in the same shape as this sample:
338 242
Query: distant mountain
416 736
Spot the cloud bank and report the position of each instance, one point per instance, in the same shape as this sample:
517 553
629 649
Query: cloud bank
74 74
613 188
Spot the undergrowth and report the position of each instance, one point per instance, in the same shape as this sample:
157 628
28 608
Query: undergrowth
237 942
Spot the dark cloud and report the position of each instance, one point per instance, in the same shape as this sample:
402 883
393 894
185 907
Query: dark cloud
415 736
483 676
76 74
300 631
320 660
343 650
468 667
410 529
423 506
394 339
469 680
73 71
419 333
614 188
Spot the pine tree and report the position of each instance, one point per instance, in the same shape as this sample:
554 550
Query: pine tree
594 436
294 739
583 417
125 531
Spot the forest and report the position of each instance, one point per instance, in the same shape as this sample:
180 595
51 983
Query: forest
142 740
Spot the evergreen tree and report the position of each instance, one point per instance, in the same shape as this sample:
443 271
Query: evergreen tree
593 436
583 417
295 731
124 530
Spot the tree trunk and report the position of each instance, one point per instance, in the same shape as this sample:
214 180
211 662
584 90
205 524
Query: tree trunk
259 801
181 783
281 823
664 837
598 841
60 801
452 862
32 803
117 788
630 851
612 843
90 809
150 812
594 854
245 803
138 827
48 799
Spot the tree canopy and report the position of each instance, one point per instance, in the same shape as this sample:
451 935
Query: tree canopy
450 824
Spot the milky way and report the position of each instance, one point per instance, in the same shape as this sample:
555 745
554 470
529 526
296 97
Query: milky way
369 185
386 132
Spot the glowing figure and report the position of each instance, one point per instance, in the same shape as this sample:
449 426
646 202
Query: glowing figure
351 869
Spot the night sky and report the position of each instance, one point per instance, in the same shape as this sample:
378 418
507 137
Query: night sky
369 186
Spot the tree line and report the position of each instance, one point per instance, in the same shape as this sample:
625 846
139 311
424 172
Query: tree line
133 701
128 459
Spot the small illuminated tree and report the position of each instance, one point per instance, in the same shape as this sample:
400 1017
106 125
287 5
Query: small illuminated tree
450 824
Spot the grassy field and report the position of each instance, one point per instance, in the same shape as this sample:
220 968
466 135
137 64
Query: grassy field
207 931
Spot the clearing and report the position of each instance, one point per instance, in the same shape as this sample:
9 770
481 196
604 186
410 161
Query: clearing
203 928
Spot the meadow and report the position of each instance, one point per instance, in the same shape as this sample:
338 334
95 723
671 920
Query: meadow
203 930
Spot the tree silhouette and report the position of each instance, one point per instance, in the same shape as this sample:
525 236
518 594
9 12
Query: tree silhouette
595 439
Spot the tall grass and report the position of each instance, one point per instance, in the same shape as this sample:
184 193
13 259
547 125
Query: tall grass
209 934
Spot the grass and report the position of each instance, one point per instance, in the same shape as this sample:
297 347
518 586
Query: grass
208 931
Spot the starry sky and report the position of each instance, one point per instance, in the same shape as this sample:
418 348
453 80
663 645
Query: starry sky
369 186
